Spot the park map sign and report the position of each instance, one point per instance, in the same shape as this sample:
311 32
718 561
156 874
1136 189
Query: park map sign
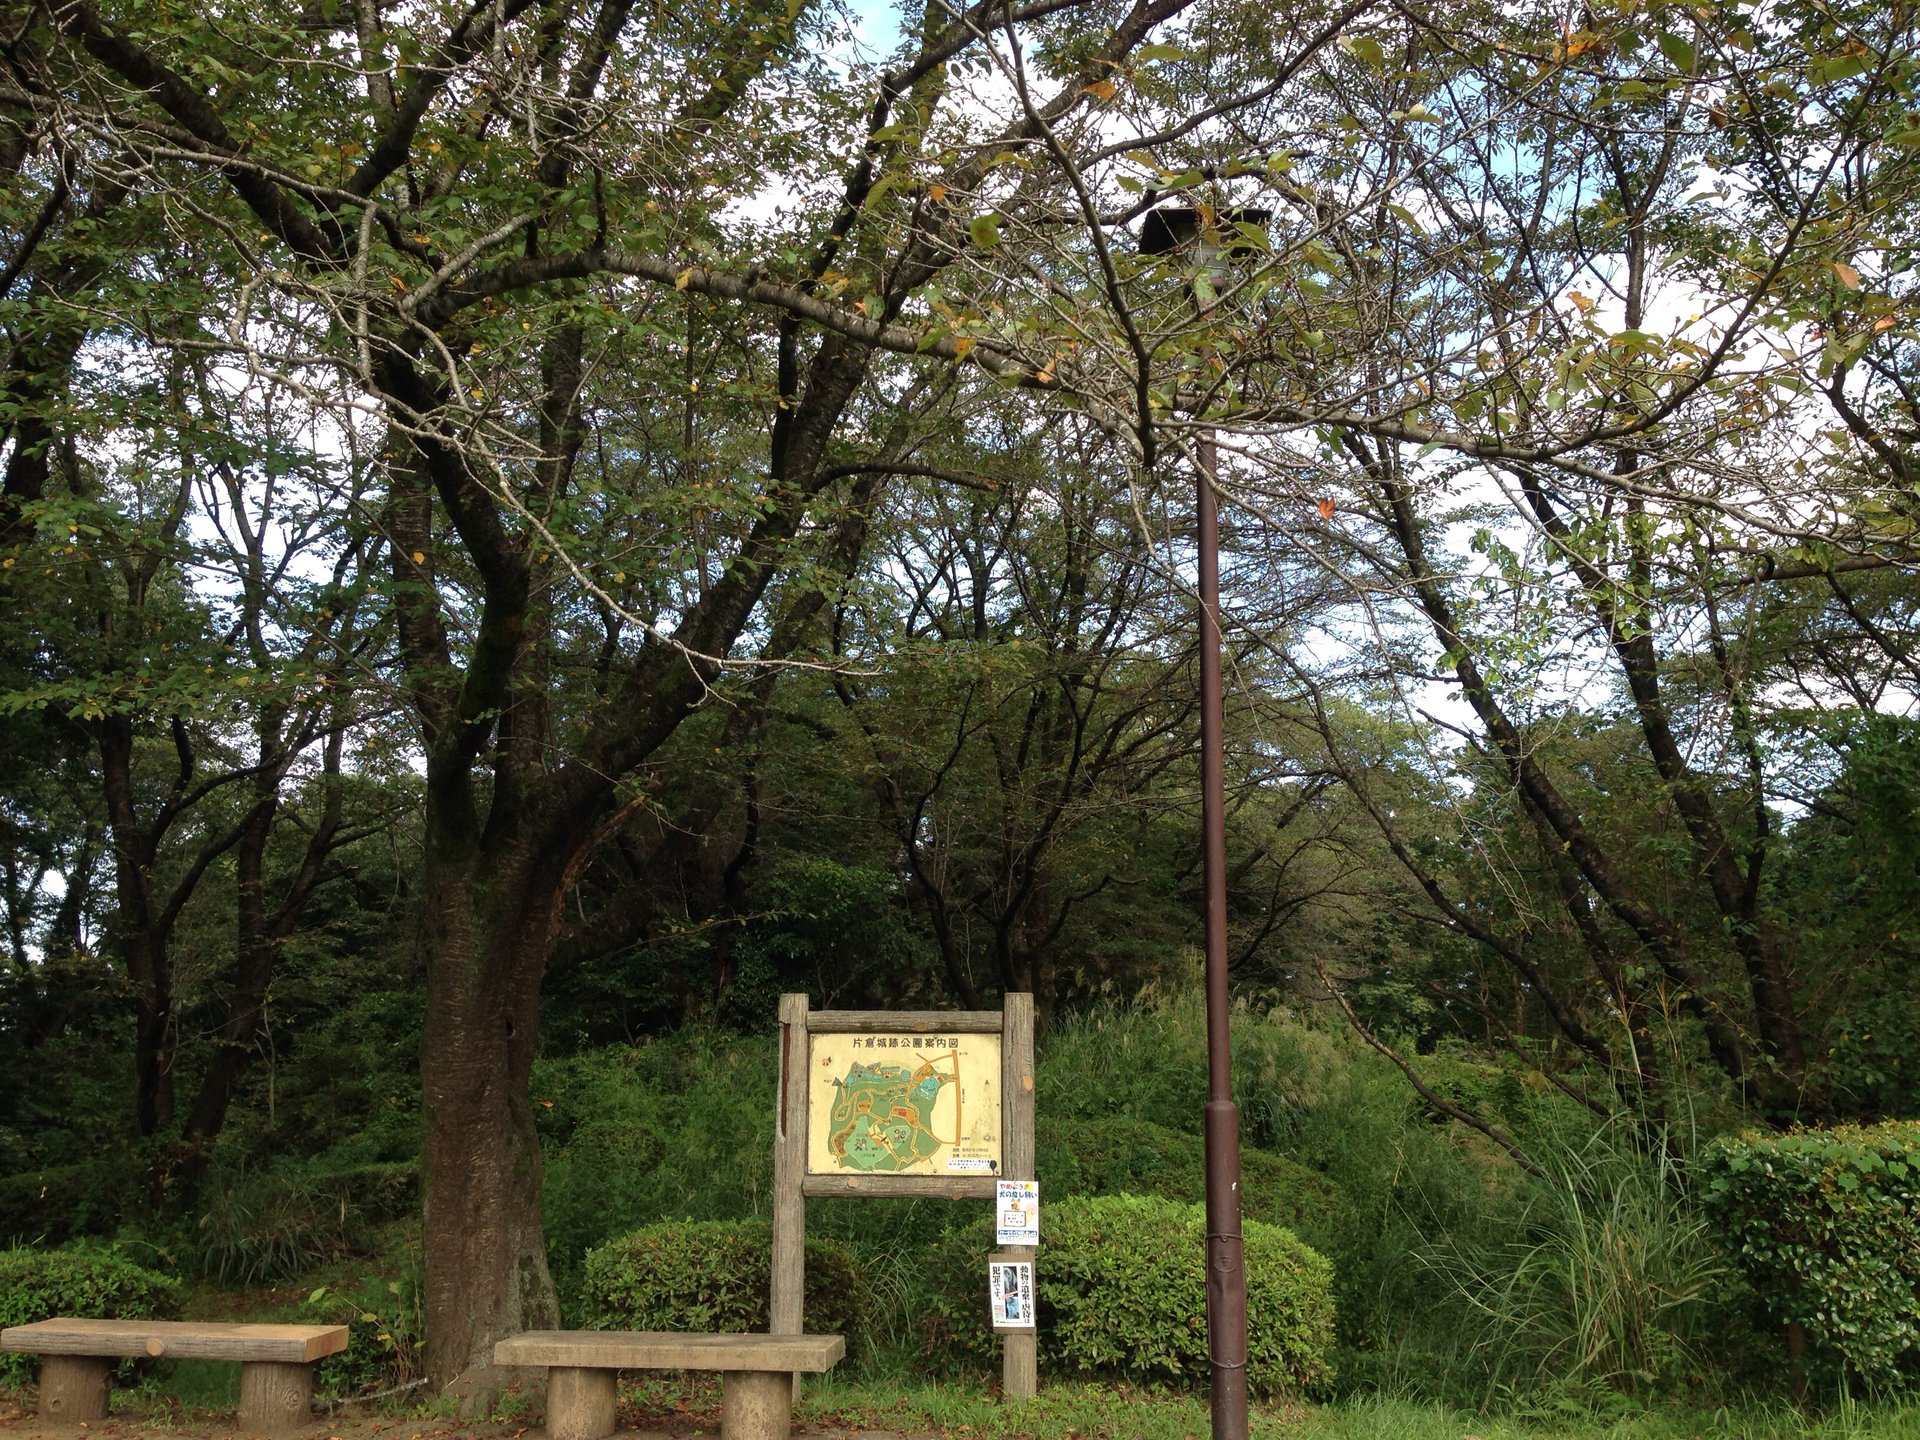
903 1104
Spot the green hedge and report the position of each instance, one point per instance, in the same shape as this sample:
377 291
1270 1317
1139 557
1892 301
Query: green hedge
1826 1225
1122 1293
713 1275
88 1284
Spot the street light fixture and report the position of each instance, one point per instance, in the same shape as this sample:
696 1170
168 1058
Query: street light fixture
1208 241
1200 233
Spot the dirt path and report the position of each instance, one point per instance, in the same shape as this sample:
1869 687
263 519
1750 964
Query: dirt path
19 1423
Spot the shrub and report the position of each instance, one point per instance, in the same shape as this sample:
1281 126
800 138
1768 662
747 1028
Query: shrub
90 1284
1121 1291
60 1202
1826 1225
386 1335
605 1119
713 1275
1123 1156
1336 1146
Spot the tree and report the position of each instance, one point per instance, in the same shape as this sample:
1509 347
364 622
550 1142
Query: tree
1458 335
1625 485
445 224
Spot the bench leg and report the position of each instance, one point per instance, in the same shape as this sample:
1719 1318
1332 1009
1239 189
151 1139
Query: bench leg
73 1388
275 1398
756 1405
579 1403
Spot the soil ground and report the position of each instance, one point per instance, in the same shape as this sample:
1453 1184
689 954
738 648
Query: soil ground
18 1422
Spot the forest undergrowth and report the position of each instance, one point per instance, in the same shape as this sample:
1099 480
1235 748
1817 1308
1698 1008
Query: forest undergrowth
1471 1297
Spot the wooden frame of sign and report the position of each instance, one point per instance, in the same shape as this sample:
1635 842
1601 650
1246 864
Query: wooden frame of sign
794 1181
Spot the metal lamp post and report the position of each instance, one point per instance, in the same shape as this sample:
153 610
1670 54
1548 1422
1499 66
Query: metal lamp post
1196 236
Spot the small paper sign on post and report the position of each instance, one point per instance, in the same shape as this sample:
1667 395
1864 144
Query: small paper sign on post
1017 1213
1010 1293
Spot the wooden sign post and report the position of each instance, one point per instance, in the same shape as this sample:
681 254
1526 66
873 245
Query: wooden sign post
896 1104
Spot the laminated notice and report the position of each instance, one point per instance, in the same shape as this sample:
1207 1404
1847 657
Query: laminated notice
1016 1213
1010 1294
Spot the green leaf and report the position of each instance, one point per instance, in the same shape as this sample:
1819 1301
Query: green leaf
984 231
1406 217
1836 67
1365 50
1251 235
1678 50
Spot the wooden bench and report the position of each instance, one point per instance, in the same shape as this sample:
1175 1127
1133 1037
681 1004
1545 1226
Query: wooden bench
756 1394
276 1363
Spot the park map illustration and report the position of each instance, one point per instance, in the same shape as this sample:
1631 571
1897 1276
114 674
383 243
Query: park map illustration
904 1104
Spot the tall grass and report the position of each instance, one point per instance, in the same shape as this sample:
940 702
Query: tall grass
1611 1279
674 1130
1395 1180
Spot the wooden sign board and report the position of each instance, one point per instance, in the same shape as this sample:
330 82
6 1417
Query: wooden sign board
890 1104
900 1104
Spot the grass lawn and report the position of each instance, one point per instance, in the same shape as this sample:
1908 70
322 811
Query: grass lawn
195 1401
1087 1412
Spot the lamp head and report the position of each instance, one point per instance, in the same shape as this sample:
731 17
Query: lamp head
1203 230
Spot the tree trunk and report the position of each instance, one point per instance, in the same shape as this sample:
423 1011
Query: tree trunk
485 925
142 949
238 1036
258 934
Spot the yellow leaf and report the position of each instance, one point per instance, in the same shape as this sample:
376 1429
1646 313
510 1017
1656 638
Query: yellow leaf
419 557
962 345
1102 90
680 283
1580 302
936 192
1845 274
